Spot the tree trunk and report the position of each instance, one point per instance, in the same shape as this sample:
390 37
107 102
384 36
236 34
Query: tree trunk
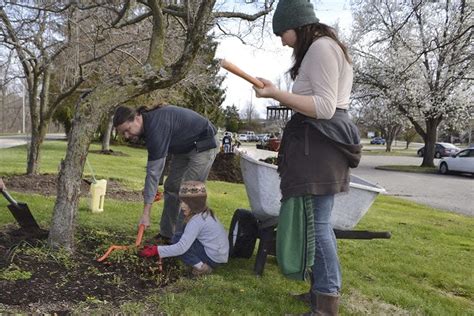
33 153
391 135
107 134
430 140
37 138
87 119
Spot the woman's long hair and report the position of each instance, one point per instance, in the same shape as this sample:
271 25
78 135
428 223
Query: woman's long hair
205 212
305 36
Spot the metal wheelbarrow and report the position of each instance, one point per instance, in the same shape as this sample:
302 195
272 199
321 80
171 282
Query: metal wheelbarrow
262 184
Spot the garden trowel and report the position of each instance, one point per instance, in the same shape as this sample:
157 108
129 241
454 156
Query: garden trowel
21 212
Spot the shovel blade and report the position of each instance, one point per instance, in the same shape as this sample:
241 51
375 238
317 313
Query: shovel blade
23 216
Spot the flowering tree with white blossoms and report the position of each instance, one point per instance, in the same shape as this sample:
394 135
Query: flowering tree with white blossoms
418 56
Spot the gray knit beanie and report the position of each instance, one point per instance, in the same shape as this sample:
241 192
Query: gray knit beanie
290 14
194 194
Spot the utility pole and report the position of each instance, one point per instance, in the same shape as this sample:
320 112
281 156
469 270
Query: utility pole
23 109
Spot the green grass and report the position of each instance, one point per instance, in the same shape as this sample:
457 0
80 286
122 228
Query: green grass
424 269
395 152
409 168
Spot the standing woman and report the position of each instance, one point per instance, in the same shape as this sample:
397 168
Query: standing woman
320 143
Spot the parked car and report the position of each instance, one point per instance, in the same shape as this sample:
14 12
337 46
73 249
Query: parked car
263 137
441 150
272 144
377 141
461 162
251 137
243 137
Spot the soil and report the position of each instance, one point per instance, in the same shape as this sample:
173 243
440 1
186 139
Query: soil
109 152
226 168
34 279
45 184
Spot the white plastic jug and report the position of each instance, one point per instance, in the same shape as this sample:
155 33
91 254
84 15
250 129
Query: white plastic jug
97 192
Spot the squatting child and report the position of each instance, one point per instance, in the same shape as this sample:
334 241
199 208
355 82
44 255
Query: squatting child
203 244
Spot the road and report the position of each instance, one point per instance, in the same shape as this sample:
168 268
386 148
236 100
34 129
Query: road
448 192
18 140
454 193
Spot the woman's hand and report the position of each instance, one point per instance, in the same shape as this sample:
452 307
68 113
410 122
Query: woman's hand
268 91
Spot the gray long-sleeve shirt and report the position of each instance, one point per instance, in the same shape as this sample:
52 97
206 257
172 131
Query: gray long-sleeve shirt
174 130
208 231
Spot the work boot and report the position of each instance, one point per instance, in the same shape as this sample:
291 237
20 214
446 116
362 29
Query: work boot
325 304
204 270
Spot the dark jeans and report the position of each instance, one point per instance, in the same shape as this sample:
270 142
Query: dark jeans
183 167
195 253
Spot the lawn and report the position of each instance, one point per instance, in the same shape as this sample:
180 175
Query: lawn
424 269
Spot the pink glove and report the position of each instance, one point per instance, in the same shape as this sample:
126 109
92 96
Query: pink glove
149 251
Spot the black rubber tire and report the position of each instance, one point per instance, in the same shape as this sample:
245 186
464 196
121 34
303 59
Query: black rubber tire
243 234
443 168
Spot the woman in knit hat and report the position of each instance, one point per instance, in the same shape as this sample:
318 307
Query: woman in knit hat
320 143
203 244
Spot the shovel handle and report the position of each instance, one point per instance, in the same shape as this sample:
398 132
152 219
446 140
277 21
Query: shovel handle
141 230
8 197
109 251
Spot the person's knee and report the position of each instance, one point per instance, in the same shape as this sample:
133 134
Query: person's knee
323 229
172 185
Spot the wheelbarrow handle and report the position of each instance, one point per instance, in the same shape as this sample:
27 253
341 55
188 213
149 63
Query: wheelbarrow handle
8 197
361 234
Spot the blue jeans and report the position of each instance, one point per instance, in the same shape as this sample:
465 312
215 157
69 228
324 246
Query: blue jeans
195 253
327 276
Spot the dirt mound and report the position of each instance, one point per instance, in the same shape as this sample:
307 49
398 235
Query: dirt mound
226 168
109 152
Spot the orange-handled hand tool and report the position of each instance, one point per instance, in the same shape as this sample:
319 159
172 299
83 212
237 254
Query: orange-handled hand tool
239 72
138 241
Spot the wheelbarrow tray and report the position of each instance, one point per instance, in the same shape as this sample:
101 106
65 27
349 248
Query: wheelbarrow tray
262 183
21 212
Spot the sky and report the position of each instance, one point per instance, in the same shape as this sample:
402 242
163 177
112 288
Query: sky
270 61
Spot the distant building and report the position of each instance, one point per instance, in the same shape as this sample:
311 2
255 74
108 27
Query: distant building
279 112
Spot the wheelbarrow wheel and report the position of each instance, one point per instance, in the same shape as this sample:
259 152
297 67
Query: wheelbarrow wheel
243 234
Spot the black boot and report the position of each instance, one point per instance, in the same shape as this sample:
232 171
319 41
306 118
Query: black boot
306 297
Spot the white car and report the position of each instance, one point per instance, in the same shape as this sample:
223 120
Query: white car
243 137
461 162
